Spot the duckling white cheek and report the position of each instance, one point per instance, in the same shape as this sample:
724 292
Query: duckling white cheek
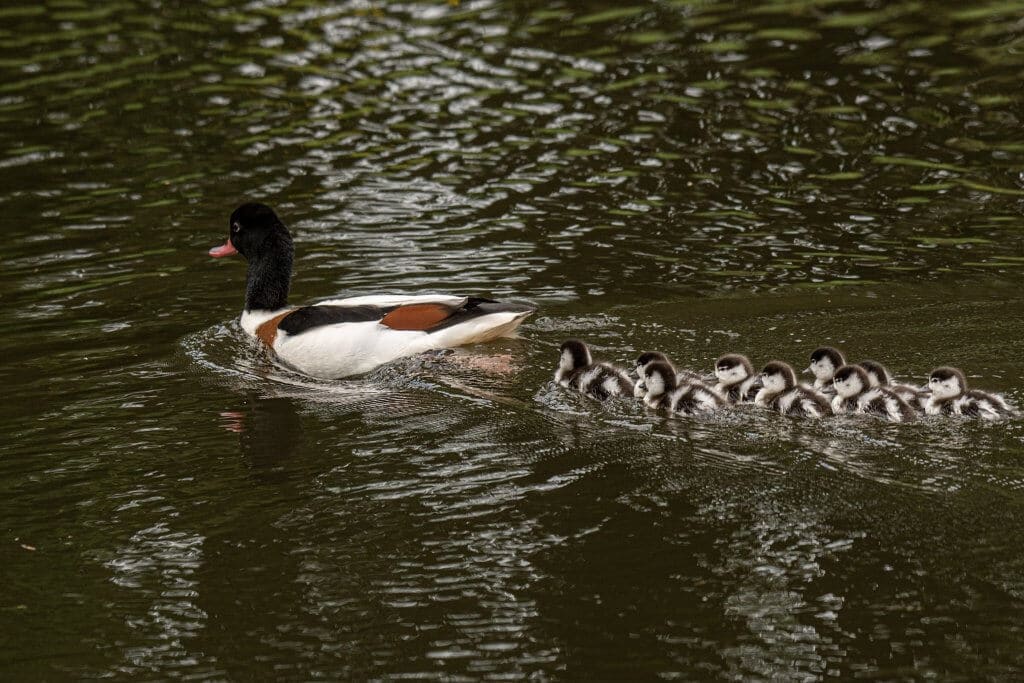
946 389
639 389
655 385
566 362
847 388
774 383
822 369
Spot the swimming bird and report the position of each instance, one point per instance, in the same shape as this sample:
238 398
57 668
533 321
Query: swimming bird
950 395
781 393
879 376
665 390
343 337
577 370
825 360
854 394
648 357
737 381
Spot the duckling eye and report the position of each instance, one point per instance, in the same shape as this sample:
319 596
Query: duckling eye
235 227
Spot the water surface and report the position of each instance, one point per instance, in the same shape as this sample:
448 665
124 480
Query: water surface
696 177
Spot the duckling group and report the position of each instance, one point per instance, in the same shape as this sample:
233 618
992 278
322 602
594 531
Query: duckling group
838 388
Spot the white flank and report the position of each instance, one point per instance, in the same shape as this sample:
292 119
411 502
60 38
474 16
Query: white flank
787 400
706 400
588 377
611 386
810 407
352 348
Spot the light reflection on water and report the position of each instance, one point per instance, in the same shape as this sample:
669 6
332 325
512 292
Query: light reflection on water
692 177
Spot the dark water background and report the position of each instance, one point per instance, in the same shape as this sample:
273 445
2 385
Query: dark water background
696 177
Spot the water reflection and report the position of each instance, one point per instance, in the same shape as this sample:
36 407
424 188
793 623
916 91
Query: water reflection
692 177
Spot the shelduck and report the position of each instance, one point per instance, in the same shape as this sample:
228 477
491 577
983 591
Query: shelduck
737 381
577 370
879 376
666 391
825 360
781 393
854 394
343 337
648 357
950 395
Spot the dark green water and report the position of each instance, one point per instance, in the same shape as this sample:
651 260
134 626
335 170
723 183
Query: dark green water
689 176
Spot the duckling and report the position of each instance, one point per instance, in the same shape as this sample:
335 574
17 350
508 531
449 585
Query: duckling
825 360
781 393
950 395
854 394
665 390
648 357
577 370
879 376
737 381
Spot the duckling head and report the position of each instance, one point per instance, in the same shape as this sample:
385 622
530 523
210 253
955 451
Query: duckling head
659 378
733 368
851 380
648 357
825 360
878 376
777 376
947 382
575 354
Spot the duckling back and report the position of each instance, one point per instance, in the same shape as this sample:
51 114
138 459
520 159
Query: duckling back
988 406
803 401
694 396
601 381
886 403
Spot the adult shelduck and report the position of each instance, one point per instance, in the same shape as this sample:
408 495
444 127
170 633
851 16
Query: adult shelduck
343 337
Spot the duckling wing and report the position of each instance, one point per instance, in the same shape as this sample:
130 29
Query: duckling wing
813 403
987 406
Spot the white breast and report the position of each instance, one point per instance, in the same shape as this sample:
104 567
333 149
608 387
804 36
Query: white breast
251 320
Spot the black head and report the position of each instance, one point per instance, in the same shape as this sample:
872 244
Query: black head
877 374
255 232
833 354
734 360
850 381
659 377
845 372
574 354
732 369
650 357
947 382
778 375
825 360
251 227
947 372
